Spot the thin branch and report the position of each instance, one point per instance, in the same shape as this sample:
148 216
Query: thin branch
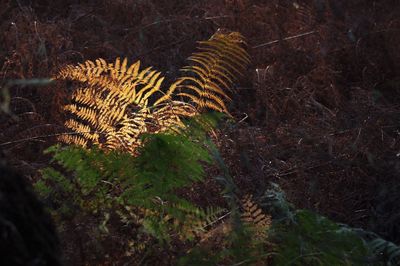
46 136
285 39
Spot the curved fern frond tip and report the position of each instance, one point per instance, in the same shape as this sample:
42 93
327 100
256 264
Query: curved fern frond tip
213 70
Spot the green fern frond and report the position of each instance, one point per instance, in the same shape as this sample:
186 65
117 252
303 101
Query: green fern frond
146 182
387 251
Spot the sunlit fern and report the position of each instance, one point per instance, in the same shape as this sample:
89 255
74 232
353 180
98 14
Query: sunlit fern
116 102
213 70
112 110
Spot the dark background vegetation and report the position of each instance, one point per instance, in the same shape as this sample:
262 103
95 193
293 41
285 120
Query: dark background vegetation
318 111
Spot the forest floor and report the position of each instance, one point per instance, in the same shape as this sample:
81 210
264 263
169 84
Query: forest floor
318 111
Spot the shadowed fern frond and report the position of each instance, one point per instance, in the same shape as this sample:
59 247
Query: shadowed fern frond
253 216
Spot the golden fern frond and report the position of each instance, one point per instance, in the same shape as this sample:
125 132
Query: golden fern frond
117 102
213 69
88 70
82 129
169 116
253 216
73 140
113 101
115 78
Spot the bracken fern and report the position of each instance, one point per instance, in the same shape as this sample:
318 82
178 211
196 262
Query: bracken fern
116 102
100 181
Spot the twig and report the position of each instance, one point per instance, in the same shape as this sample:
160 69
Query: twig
215 221
45 136
312 32
284 39
179 19
162 47
245 117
